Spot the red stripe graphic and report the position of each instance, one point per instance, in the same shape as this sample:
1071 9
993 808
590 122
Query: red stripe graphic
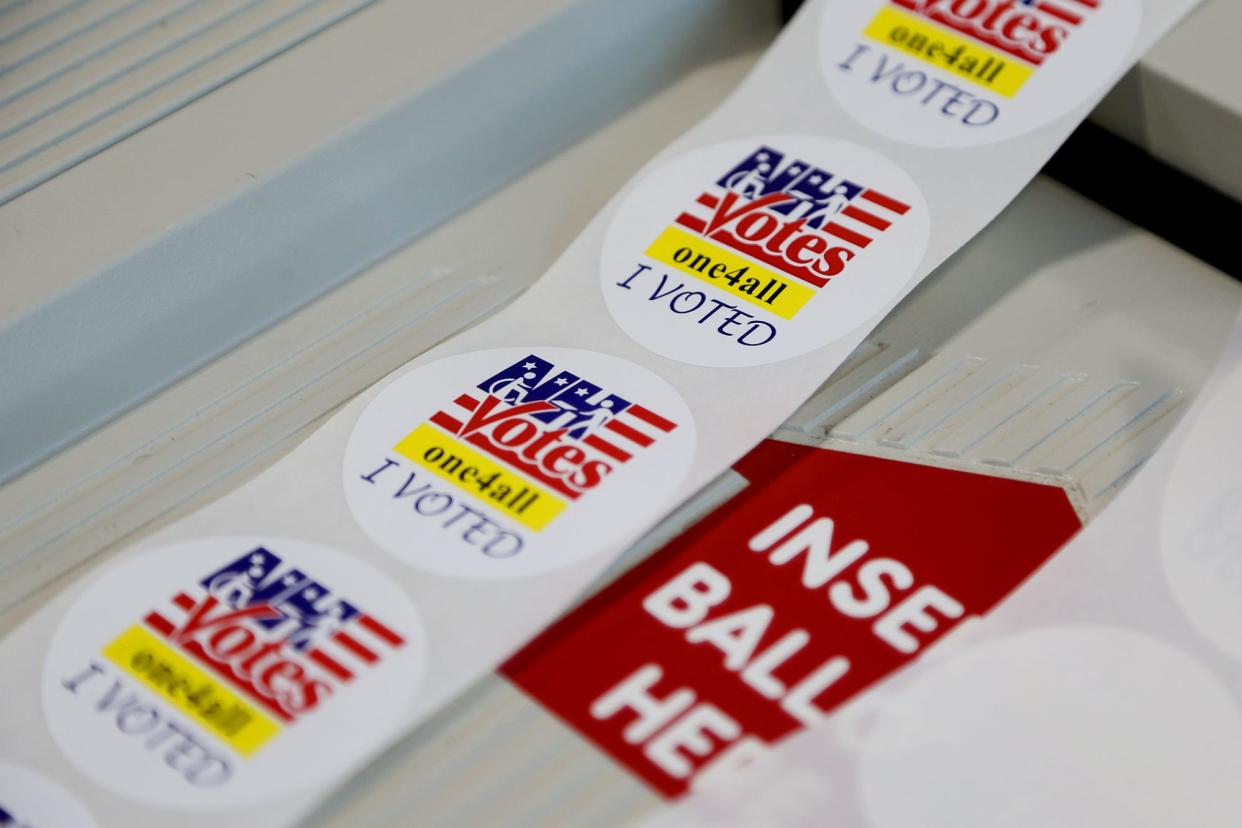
184 601
629 433
160 624
693 222
1068 17
330 664
869 219
446 422
651 418
380 631
354 646
1091 4
887 202
708 200
450 423
604 447
856 239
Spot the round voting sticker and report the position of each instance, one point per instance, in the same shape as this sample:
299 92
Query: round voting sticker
761 249
218 673
511 462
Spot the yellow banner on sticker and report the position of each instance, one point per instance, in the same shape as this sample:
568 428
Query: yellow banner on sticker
946 49
191 690
732 272
477 474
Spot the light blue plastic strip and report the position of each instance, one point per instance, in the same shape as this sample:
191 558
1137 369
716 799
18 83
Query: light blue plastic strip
134 328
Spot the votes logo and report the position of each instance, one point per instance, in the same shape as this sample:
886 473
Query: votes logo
276 642
996 44
796 225
531 438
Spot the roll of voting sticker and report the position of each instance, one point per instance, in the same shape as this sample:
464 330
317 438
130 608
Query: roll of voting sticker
761 249
956 73
215 673
497 464
207 671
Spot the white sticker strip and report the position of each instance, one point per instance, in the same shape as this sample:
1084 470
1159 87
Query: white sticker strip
241 661
1106 691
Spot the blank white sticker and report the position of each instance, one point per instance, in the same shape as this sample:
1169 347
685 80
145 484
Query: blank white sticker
1066 726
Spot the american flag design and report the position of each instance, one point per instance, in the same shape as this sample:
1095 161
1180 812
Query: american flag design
576 431
797 218
274 632
1029 30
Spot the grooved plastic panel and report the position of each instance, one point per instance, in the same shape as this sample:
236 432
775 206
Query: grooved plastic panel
77 76
1072 379
1033 421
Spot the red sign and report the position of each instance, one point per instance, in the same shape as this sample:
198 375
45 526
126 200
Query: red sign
827 573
